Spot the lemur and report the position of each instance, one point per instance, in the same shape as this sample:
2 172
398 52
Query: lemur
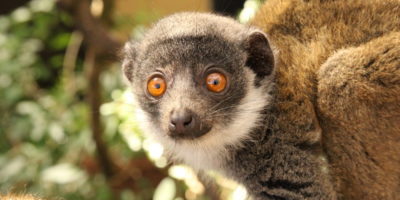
301 103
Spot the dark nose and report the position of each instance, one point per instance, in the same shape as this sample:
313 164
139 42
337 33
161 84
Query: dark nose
182 122
185 124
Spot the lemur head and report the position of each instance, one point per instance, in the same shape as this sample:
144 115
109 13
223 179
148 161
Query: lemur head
201 82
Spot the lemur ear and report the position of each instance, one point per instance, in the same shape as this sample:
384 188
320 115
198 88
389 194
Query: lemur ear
260 55
129 55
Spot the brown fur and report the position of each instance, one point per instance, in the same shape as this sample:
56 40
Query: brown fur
338 69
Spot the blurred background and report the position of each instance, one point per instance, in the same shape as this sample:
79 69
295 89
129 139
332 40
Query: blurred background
67 128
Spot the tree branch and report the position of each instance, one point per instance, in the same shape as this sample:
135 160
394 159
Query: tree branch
7 7
95 35
100 45
94 100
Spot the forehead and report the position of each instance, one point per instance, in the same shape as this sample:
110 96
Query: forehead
194 51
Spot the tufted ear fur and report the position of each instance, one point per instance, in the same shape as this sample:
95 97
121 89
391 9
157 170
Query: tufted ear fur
129 56
260 55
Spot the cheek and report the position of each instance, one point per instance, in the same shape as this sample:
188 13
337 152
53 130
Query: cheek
221 114
150 107
224 109
146 104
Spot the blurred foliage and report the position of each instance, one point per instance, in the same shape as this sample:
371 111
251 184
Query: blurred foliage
46 145
44 134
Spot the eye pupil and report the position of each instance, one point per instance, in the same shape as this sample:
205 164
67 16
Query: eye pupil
216 82
156 86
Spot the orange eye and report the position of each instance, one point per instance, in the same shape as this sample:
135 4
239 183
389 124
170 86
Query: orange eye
216 82
156 86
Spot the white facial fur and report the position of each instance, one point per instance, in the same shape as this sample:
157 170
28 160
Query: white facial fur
210 150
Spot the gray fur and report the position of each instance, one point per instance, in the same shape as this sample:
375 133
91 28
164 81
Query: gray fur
243 144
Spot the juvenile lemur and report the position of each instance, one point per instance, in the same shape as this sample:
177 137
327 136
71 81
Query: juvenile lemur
303 103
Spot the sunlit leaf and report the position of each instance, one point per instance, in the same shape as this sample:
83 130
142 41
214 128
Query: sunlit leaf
62 174
41 5
21 14
166 190
12 168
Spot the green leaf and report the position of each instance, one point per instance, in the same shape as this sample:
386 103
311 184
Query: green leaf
60 41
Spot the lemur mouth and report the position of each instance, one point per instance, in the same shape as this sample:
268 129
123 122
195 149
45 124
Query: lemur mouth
190 134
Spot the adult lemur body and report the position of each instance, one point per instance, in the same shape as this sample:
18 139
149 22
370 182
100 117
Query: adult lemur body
311 113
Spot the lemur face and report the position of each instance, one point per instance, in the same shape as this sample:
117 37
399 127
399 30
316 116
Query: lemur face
191 85
194 86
